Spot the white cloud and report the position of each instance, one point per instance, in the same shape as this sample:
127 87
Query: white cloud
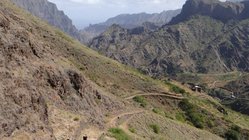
87 1
126 2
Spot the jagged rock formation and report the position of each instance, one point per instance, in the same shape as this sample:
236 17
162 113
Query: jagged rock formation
202 41
49 12
130 21
223 11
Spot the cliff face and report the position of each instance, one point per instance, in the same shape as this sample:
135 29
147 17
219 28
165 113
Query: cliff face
223 11
50 13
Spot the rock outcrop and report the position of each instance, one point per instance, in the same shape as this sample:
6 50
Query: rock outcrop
49 12
223 11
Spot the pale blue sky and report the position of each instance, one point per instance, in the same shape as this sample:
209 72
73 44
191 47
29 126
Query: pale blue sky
85 12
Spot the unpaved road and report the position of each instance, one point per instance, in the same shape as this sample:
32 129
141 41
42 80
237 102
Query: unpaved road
174 96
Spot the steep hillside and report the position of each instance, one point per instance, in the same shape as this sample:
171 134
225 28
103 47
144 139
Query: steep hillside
130 21
48 11
52 87
234 94
199 43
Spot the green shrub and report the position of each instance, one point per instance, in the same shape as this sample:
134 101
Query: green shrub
76 119
140 100
175 88
210 123
232 135
180 117
156 110
119 134
196 119
193 113
132 130
155 128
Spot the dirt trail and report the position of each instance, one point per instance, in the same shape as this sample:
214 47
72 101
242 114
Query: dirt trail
174 96
124 126
112 122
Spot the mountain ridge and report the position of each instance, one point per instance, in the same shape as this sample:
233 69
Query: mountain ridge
130 21
49 12
198 44
223 11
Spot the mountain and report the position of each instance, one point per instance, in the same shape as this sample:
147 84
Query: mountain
133 20
130 21
234 94
49 12
194 41
223 11
52 87
236 0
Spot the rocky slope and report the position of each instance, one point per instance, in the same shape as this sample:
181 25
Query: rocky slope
195 41
234 94
52 87
130 21
50 13
240 89
48 82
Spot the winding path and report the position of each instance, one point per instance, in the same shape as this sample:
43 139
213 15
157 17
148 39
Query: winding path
174 96
112 122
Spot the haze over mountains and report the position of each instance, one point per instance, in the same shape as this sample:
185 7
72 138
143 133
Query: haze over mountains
52 87
130 21
49 12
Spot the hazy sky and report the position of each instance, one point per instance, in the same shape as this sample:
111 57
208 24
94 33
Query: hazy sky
85 12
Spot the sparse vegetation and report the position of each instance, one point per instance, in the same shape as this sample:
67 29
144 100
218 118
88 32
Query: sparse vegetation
76 119
156 110
132 130
155 128
180 117
194 115
233 133
64 36
119 134
140 100
175 88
